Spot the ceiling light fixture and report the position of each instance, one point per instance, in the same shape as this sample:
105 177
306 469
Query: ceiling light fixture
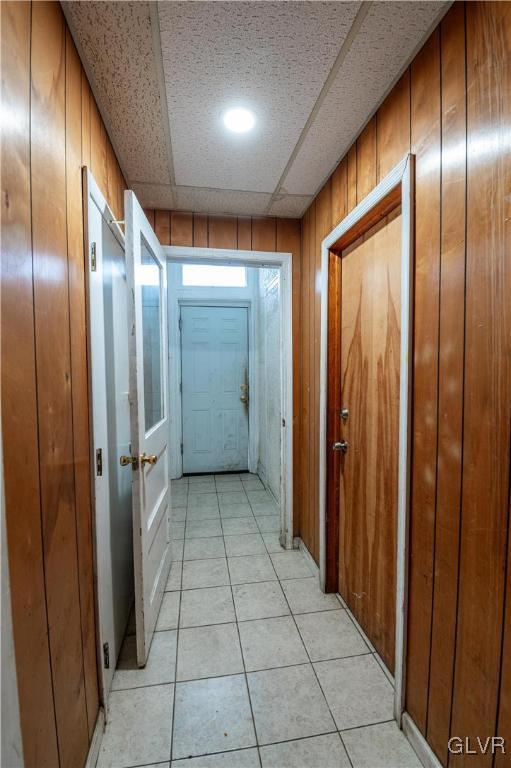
239 120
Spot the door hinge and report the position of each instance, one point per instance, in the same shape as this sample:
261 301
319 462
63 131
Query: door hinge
181 387
181 449
99 462
283 422
180 324
93 257
106 656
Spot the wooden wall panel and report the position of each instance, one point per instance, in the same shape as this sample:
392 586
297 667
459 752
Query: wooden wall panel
487 403
222 232
162 226
200 230
53 366
462 389
181 228
44 377
78 341
19 402
393 134
366 160
450 380
352 177
339 192
264 234
244 233
425 116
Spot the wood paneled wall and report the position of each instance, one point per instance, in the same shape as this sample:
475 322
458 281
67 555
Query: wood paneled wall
452 109
246 233
52 127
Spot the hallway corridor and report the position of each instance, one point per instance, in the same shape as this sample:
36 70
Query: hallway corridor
251 664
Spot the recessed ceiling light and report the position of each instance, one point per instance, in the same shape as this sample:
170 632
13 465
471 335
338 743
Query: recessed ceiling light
239 120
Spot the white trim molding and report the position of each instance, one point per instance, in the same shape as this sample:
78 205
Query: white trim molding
419 743
284 261
403 176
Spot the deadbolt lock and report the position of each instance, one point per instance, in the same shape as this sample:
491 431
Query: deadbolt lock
344 414
125 461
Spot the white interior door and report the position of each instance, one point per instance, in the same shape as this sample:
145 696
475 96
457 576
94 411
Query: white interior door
215 396
109 376
147 314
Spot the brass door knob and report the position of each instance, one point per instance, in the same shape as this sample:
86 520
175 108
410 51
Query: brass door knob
151 459
125 461
244 399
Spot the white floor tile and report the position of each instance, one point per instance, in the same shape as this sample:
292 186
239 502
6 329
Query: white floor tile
357 691
212 716
288 704
383 745
235 525
198 529
205 573
169 612
268 523
160 667
268 643
139 728
272 542
244 544
212 605
174 579
230 498
208 652
236 510
305 596
202 549
259 601
330 635
239 758
290 565
315 752
196 514
244 570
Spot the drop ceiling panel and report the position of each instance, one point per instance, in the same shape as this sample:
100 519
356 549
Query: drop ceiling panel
222 200
386 42
272 57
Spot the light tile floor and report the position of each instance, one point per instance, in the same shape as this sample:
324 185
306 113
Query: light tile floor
251 666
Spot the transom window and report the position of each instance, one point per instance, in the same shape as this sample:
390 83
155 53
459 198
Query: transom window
214 276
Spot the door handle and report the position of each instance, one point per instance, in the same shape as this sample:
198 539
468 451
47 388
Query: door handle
244 399
340 446
125 461
145 459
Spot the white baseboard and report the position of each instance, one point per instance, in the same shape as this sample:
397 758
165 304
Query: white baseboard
419 743
97 736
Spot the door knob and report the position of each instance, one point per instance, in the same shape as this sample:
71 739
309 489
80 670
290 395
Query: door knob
124 461
340 446
244 399
151 459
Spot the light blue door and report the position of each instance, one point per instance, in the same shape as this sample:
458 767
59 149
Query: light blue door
214 372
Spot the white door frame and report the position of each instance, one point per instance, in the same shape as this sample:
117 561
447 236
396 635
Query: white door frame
403 176
284 261
176 427
98 421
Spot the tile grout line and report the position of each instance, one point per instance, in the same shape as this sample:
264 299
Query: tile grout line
244 666
177 652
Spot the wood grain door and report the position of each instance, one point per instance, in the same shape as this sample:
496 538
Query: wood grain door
370 356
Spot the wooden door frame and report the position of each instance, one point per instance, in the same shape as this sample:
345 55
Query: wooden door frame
397 188
273 260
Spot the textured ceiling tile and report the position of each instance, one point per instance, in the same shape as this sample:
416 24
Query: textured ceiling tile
273 57
222 201
154 195
115 40
292 206
386 41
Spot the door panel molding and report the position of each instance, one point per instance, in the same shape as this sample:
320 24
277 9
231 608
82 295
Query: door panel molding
397 188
